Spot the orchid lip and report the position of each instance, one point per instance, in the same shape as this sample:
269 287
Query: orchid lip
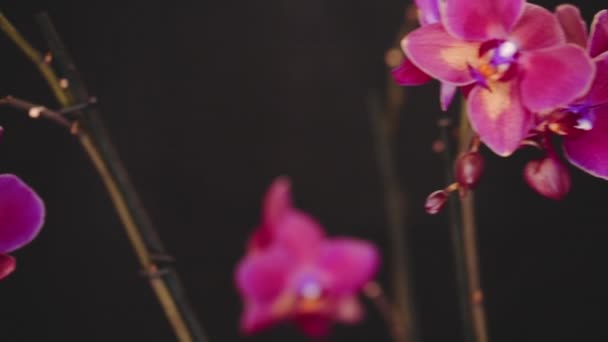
573 120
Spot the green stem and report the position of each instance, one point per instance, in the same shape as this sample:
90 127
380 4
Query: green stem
463 233
96 143
469 240
397 230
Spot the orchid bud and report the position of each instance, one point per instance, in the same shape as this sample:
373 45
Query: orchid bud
7 265
549 177
436 201
469 168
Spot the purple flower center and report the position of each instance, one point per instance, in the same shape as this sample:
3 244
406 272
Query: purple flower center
311 296
496 62
572 121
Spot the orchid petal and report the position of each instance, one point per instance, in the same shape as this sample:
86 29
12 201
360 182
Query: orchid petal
7 265
277 201
315 326
589 151
428 11
498 116
537 29
479 20
301 234
408 74
598 93
447 92
555 77
350 262
571 21
598 39
256 318
349 310
21 213
261 277
440 55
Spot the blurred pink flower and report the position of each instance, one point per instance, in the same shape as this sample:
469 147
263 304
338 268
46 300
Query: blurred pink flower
293 271
21 218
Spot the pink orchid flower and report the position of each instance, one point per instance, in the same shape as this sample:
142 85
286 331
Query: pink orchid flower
293 271
514 58
408 74
21 218
584 123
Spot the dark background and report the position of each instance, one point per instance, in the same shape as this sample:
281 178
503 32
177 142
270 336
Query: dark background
207 102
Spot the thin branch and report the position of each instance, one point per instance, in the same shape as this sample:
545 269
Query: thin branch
35 111
469 237
96 143
374 292
445 125
463 232
395 206
37 58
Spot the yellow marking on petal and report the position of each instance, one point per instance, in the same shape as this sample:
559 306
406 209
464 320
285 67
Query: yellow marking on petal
284 305
497 100
486 70
310 305
458 56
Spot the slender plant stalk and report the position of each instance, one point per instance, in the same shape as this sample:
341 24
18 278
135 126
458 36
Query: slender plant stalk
469 240
463 232
455 224
384 115
387 310
404 313
96 143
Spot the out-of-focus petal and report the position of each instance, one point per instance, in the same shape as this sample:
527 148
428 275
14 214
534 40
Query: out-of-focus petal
7 265
316 326
255 318
555 77
350 262
21 213
446 95
589 151
549 177
537 29
277 201
571 21
349 310
498 116
441 55
481 19
301 234
598 39
428 11
598 93
408 74
261 277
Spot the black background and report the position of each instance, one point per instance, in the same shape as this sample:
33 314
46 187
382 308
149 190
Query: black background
208 101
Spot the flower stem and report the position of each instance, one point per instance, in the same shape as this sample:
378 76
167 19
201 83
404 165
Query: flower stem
96 143
469 240
404 313
463 232
374 292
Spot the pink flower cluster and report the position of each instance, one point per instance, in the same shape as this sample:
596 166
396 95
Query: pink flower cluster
528 76
293 271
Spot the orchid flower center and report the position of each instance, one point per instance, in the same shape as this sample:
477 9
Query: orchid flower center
573 121
496 59
311 296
